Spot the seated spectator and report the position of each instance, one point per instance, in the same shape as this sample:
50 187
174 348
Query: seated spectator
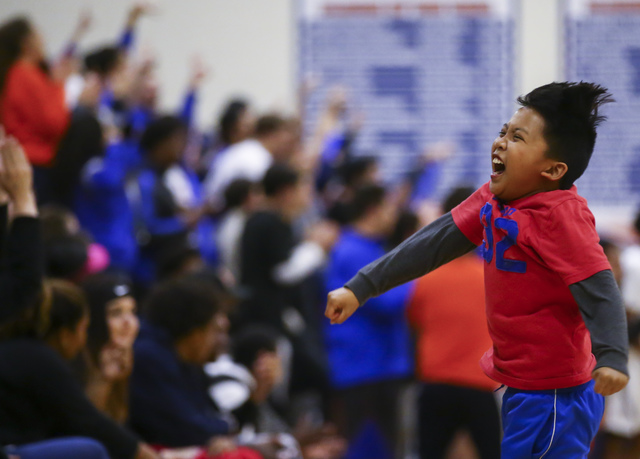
243 387
169 402
273 141
40 398
113 329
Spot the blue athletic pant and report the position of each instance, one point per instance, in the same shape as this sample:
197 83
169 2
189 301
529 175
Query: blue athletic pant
550 424
61 448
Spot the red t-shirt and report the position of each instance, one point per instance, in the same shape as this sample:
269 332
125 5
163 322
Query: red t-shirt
33 110
534 248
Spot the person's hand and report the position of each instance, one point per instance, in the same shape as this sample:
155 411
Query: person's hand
90 95
138 10
199 73
64 68
16 178
146 452
324 233
116 363
609 381
221 444
84 23
341 304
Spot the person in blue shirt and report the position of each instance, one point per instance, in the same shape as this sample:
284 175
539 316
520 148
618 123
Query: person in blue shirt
367 377
101 203
167 199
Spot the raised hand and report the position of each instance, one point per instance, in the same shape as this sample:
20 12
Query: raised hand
199 73
16 177
341 304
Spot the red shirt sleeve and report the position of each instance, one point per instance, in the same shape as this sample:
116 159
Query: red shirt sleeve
568 243
466 216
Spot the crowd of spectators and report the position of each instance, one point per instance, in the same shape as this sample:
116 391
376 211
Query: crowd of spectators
163 284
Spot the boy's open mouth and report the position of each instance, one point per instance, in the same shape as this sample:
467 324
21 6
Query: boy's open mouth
498 166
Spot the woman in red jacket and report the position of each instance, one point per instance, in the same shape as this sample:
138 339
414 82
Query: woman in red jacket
32 105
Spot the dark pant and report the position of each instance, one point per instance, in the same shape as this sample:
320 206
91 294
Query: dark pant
445 409
61 448
377 402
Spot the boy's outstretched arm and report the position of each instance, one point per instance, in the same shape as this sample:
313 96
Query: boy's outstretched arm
602 309
431 247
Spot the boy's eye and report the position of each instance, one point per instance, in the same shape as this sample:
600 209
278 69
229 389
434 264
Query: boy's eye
502 133
517 137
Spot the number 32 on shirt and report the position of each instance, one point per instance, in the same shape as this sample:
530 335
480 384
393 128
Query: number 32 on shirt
511 229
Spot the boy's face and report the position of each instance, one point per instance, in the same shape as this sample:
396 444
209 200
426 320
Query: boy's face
518 158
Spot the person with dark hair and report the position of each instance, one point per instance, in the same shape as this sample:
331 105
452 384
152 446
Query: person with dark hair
41 397
273 141
170 206
555 313
170 407
446 311
354 173
242 197
236 123
113 329
367 378
252 374
32 105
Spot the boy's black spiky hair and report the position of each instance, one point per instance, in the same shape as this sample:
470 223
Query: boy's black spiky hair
571 115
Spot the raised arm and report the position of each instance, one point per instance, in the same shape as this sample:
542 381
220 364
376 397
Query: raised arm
603 312
431 247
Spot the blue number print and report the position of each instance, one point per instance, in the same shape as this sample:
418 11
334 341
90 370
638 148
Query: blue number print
502 263
511 227
487 246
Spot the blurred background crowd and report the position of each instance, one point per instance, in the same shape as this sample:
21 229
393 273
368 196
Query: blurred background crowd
163 283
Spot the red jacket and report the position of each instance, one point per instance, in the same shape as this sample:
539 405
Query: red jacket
33 110
534 248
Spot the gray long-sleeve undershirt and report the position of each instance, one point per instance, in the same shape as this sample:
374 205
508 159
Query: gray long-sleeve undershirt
598 297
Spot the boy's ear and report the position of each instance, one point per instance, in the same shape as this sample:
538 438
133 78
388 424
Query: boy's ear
556 171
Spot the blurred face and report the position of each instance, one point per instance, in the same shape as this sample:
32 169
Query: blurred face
282 143
171 150
203 343
386 216
244 127
74 341
122 321
297 198
33 46
519 159
613 255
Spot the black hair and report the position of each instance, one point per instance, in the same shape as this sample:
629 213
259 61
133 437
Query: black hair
279 177
12 35
570 113
455 197
269 123
172 260
229 119
250 341
636 222
53 222
102 60
365 198
159 130
68 306
406 225
66 256
181 306
99 289
237 193
354 169
608 245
